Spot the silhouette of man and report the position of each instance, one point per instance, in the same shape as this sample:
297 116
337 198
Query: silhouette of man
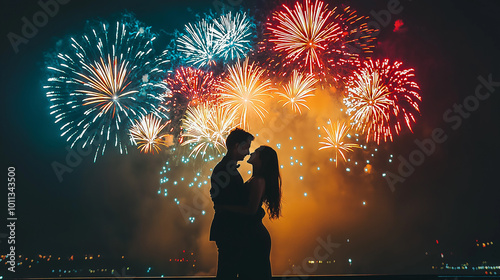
227 228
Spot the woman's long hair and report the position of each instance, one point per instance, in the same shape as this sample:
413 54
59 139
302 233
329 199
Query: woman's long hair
271 173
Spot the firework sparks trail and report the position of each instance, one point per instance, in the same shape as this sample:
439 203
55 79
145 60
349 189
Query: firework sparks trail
355 42
357 35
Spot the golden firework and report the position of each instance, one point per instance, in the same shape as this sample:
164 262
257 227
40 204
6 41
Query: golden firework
297 90
244 89
206 127
145 133
335 139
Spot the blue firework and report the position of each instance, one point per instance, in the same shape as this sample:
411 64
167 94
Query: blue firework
199 46
101 81
234 32
211 40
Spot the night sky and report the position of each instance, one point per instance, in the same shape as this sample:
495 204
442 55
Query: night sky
112 207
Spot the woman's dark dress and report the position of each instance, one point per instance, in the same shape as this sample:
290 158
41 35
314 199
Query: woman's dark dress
257 263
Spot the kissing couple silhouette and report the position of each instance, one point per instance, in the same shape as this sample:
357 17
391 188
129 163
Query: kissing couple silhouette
243 242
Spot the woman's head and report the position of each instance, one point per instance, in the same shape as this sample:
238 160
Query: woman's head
265 162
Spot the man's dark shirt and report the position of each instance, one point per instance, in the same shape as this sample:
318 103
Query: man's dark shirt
227 189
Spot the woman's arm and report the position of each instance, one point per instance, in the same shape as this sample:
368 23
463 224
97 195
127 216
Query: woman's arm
257 187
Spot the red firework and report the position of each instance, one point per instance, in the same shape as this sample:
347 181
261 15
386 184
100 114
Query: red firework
382 98
356 42
312 38
196 86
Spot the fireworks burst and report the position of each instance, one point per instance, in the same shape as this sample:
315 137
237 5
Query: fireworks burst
207 127
312 38
355 41
145 133
335 139
233 34
197 86
104 81
303 33
244 89
211 40
199 45
357 36
297 90
380 97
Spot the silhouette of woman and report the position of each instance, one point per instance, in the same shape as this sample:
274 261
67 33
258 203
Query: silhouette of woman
264 187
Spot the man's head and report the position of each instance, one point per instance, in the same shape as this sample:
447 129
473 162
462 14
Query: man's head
238 144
